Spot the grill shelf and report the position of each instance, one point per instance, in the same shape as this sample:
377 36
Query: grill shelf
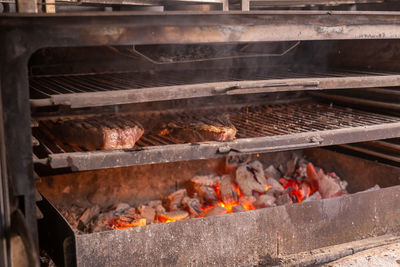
128 87
260 129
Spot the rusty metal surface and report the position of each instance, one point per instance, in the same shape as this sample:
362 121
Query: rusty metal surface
191 27
248 238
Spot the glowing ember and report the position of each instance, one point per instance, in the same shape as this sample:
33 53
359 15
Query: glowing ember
121 223
164 132
245 186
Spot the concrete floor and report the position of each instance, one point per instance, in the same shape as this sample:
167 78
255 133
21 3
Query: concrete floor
388 255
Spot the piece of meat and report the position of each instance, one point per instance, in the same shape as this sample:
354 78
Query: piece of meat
200 129
105 132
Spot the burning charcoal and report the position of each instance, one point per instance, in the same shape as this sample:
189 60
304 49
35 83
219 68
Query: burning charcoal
272 173
131 212
284 199
175 199
157 205
274 185
238 208
207 180
343 184
232 162
281 169
327 186
120 207
139 222
248 182
193 205
305 190
265 200
101 223
206 194
154 203
227 192
313 177
291 166
256 168
172 216
71 217
118 223
247 202
302 171
88 214
147 212
315 196
217 210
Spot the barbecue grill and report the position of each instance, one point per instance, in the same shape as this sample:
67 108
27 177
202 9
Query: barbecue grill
320 83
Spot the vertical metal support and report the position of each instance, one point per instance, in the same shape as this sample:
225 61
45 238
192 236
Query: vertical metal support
5 260
17 131
27 6
245 5
225 5
50 6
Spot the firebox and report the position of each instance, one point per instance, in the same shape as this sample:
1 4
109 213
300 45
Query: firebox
191 138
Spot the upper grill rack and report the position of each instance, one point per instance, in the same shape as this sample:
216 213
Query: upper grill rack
129 87
260 129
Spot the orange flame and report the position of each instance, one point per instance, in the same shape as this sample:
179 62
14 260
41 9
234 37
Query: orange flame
164 219
120 223
297 191
164 132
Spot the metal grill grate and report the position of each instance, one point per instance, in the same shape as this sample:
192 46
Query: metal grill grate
261 121
44 87
128 87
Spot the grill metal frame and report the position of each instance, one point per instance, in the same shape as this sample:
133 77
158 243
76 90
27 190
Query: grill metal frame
23 34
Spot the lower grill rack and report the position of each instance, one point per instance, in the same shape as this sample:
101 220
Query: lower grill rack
260 129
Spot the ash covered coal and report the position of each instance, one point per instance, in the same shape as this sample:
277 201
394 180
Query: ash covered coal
246 185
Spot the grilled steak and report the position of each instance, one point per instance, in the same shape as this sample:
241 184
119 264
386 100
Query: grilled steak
200 129
105 133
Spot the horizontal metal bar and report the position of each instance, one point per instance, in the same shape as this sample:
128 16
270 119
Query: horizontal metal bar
90 99
229 150
81 161
134 28
358 101
370 151
392 91
387 145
